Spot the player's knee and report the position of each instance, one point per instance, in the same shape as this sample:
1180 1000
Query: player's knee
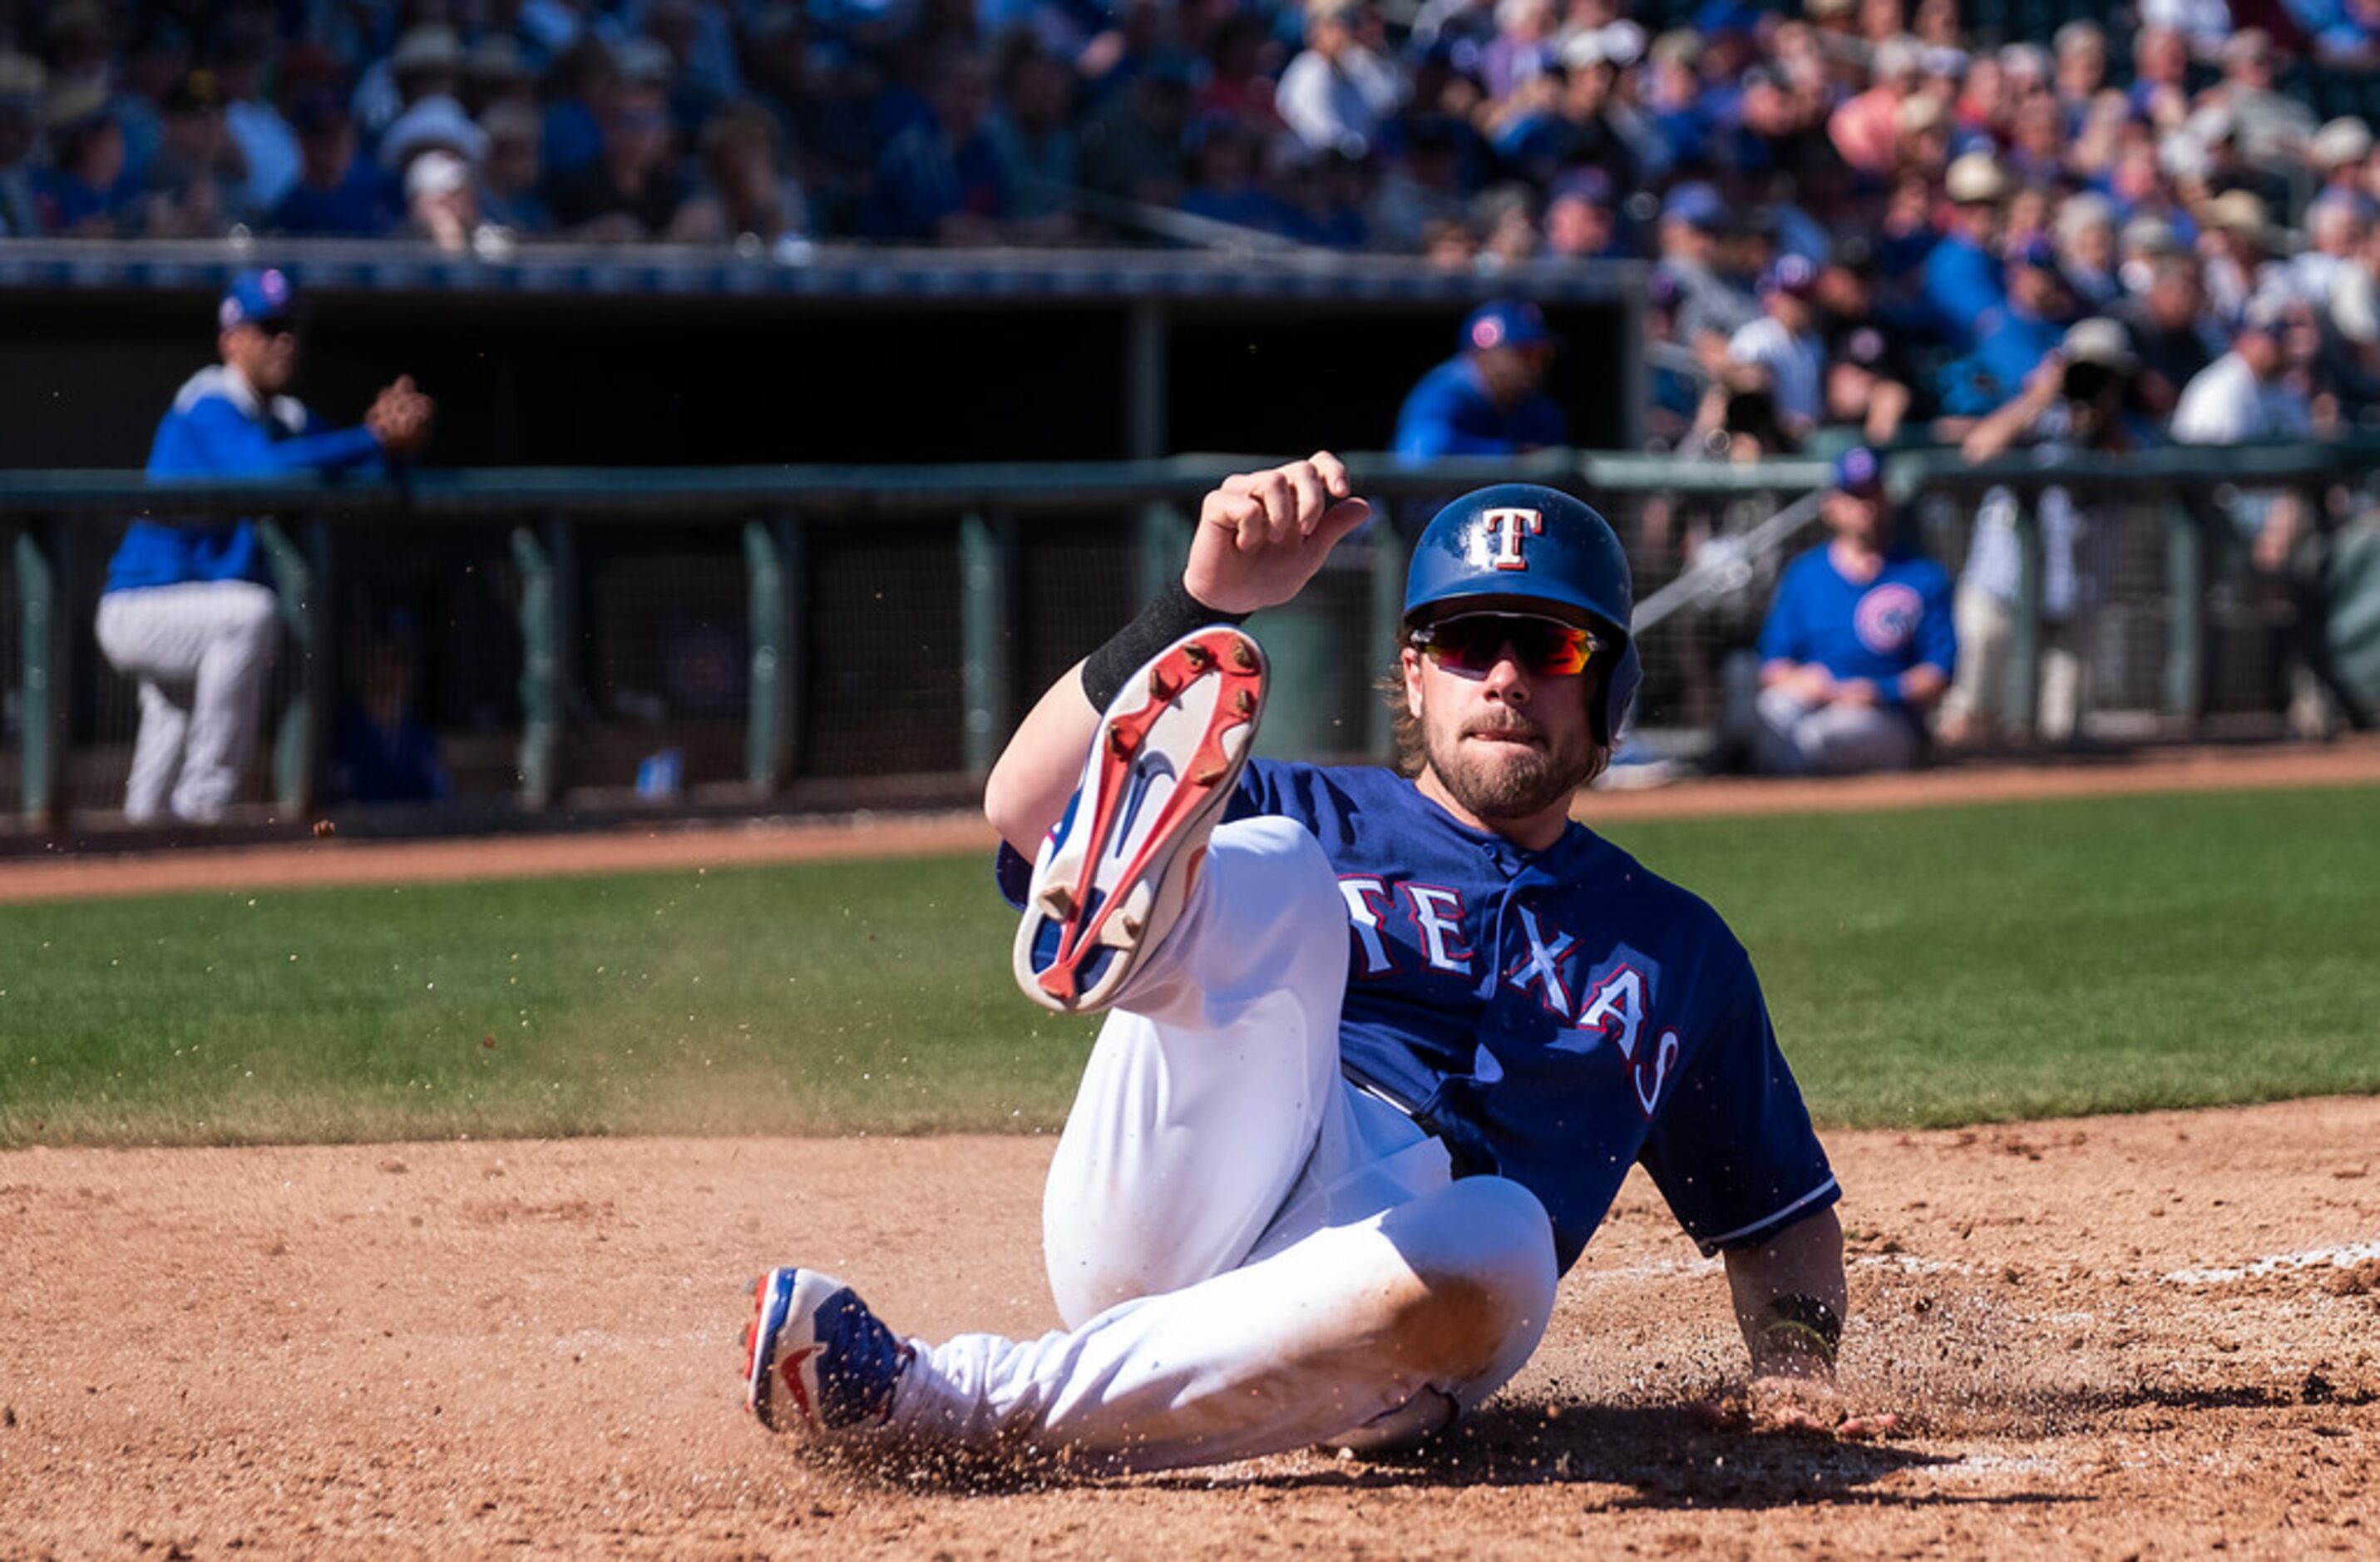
252 617
1483 1255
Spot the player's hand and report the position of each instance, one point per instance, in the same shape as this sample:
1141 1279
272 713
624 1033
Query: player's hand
1806 1407
1859 691
400 417
1262 535
1810 683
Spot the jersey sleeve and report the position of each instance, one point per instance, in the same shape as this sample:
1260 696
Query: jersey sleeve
1732 1149
1781 632
216 440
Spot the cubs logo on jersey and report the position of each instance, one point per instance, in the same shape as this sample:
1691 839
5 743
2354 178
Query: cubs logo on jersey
1887 617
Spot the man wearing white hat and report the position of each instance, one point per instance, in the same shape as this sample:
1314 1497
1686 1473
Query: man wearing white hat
1962 280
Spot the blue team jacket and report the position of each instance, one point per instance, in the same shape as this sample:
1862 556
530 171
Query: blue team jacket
218 427
1448 413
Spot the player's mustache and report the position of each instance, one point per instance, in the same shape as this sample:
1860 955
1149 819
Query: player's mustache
1507 725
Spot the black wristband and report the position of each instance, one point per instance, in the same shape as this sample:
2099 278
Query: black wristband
1170 615
1803 1326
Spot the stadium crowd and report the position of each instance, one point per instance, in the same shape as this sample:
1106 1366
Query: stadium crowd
1863 212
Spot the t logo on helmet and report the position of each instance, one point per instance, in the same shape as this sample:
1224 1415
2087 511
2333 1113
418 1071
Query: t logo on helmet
1501 531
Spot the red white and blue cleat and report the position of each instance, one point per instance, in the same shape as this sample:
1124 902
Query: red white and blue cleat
818 1360
1113 877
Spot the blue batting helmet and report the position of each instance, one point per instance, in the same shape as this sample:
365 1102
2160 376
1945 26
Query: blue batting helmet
1519 547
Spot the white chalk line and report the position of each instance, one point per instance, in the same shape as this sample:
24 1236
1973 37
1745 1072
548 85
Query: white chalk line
2343 1257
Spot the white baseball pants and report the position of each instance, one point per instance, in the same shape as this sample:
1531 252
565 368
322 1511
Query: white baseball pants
1249 1254
201 652
1796 737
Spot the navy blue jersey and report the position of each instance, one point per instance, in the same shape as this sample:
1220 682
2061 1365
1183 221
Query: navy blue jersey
1555 1015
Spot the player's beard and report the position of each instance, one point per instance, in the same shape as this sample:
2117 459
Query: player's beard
1505 781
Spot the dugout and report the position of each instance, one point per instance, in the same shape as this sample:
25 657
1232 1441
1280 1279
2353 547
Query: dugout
573 357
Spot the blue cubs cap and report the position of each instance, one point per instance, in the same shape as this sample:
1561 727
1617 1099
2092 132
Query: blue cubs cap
255 297
1694 204
1507 323
1859 470
1518 547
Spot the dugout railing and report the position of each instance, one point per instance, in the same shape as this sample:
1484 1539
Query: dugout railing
835 638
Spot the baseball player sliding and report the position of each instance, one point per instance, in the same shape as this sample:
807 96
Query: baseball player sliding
1382 1046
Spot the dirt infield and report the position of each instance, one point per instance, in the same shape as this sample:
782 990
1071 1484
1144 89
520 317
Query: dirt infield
2138 1336
2147 1336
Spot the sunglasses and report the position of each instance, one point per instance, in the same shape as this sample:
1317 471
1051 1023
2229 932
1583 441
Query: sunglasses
1474 642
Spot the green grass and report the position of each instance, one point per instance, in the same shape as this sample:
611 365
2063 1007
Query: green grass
1926 967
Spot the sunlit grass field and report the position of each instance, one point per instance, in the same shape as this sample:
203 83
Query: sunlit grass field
1925 967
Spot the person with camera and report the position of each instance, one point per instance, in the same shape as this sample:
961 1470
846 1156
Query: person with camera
2083 397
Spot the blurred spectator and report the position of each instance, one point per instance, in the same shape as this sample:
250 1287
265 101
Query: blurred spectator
1486 400
2245 396
380 750
1868 373
2199 26
2085 237
1424 186
158 60
2272 127
1786 341
1338 93
88 192
2337 154
195 182
583 86
2160 90
631 190
1132 148
1032 130
2236 241
2170 331
2014 338
427 63
2081 48
512 176
1581 223
336 192
1859 644
441 206
1712 304
747 189
495 73
22 81
268 146
2080 399
1867 129
1223 183
1962 281
941 180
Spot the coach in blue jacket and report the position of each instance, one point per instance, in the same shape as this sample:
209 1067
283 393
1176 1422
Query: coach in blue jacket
187 609
1859 644
1485 400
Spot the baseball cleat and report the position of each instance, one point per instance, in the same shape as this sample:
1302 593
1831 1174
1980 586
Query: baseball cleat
817 1359
1113 877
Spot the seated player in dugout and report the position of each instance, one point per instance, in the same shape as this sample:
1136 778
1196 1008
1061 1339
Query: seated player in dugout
1382 1045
